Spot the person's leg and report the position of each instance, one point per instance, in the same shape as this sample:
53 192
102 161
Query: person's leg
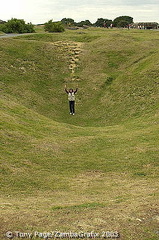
70 106
73 107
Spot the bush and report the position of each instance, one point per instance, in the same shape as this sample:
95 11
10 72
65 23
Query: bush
1 27
51 26
17 26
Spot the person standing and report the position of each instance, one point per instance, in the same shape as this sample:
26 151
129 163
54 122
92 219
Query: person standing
71 98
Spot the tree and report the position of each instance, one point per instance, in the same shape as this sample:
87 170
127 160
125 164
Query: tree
51 26
68 21
2 22
123 24
101 22
122 20
82 23
17 26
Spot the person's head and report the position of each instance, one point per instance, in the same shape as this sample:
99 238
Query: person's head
70 90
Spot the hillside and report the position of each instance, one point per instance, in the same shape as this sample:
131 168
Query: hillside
97 170
120 63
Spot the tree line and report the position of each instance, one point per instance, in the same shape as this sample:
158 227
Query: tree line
122 21
20 26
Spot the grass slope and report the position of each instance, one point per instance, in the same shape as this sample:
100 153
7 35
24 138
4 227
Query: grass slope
98 170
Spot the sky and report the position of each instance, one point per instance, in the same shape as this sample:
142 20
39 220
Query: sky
40 11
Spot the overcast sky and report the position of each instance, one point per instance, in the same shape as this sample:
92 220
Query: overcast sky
40 11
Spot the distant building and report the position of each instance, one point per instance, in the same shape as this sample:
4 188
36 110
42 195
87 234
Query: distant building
145 25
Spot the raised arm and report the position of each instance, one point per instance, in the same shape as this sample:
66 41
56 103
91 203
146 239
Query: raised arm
66 89
76 90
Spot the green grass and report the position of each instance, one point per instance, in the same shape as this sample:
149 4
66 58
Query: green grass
81 206
97 170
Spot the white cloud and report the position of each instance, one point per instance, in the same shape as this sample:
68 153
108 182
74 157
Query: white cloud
40 11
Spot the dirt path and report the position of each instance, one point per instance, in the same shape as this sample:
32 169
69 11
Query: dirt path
74 50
